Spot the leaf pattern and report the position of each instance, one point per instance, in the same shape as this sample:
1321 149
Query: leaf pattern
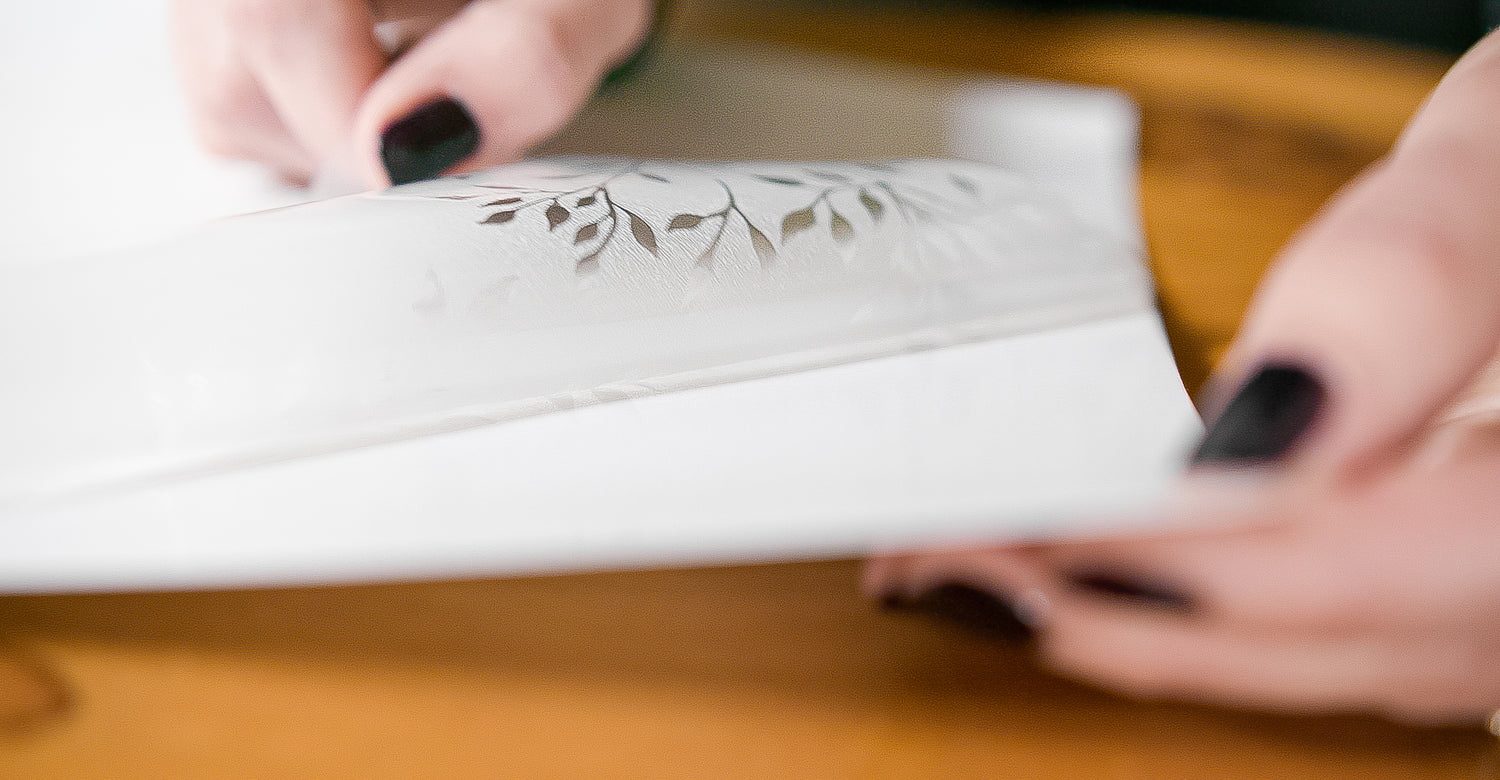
706 257
643 233
796 222
684 222
837 196
556 215
762 245
964 183
842 231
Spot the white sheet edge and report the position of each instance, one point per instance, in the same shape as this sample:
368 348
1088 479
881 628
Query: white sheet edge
931 462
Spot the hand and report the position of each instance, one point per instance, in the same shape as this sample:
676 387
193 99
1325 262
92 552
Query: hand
1347 496
304 85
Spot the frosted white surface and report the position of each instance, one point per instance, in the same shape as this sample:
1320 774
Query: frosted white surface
295 396
526 289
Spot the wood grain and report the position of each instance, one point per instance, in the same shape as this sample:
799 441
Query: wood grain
739 672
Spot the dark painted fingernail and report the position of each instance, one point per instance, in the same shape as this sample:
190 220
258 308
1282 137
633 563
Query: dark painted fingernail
428 141
969 607
1116 586
1264 420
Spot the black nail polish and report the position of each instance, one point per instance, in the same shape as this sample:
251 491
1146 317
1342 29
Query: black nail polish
428 141
971 608
1264 419
1116 586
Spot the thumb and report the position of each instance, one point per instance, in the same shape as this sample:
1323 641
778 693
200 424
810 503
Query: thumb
1386 306
497 78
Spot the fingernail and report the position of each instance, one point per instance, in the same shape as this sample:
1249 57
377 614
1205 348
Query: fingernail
428 141
1112 585
969 607
1264 420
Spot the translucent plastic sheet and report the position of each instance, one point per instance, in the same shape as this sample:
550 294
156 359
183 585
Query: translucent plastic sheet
317 403
528 289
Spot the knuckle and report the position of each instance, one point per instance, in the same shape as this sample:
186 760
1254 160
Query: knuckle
547 37
264 19
546 70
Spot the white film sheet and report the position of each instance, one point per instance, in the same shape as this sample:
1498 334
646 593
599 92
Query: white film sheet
600 361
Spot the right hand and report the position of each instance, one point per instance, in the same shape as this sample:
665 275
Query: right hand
1336 545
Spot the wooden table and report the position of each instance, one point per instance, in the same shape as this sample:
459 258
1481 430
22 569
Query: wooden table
758 671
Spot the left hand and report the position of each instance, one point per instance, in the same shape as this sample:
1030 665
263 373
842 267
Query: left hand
304 86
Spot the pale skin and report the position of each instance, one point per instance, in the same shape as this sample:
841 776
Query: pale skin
1361 573
305 85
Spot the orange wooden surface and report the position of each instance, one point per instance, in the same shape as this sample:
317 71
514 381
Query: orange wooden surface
771 671
754 672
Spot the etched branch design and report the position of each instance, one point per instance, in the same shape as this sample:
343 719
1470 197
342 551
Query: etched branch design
598 220
687 221
911 203
594 215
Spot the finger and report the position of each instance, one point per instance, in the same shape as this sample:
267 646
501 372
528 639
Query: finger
1387 304
1135 647
1001 571
314 59
1127 645
994 591
1152 654
883 575
241 123
1415 551
230 113
1119 644
403 10
490 83
401 24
